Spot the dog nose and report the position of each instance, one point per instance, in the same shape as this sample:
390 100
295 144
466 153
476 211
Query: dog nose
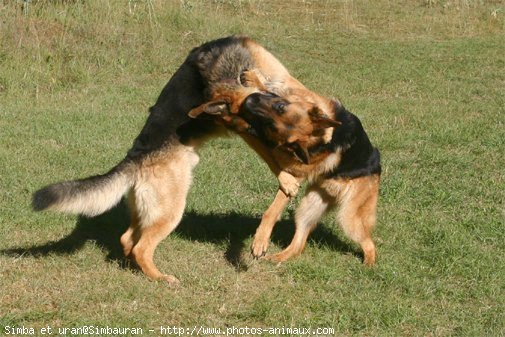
253 106
252 100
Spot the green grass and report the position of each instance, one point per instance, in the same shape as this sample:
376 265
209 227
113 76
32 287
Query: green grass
427 78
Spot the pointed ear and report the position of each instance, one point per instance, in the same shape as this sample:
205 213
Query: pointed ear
300 152
216 108
320 120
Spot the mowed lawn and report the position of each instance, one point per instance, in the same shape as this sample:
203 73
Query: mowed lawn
427 79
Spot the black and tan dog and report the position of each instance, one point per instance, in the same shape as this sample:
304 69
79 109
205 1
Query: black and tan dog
157 171
330 149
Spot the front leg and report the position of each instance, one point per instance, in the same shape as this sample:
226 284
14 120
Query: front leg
287 183
264 231
311 209
288 187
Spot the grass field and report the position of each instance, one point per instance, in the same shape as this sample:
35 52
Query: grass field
427 79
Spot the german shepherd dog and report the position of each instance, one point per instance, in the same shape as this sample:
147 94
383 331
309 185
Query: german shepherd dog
156 173
330 149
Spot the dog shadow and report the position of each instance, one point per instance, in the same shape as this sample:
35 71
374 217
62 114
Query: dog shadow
232 229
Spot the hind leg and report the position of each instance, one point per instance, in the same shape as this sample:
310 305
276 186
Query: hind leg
311 209
159 200
357 214
127 241
150 237
129 238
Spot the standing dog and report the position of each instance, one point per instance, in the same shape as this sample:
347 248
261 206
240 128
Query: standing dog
157 171
331 150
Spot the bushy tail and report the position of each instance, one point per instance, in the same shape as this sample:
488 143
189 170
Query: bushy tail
89 196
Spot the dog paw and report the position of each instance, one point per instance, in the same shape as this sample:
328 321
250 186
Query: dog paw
275 258
369 252
251 78
245 78
259 247
369 259
288 184
284 255
171 280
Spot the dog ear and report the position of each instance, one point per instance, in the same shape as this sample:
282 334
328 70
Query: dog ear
320 120
216 108
300 152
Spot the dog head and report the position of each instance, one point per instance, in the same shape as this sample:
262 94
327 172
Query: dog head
287 124
290 125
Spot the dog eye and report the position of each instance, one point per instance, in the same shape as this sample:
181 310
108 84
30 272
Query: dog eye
279 107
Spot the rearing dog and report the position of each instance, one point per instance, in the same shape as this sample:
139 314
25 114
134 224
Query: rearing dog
156 173
331 150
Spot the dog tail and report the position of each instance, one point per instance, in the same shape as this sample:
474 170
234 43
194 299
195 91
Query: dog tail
89 196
